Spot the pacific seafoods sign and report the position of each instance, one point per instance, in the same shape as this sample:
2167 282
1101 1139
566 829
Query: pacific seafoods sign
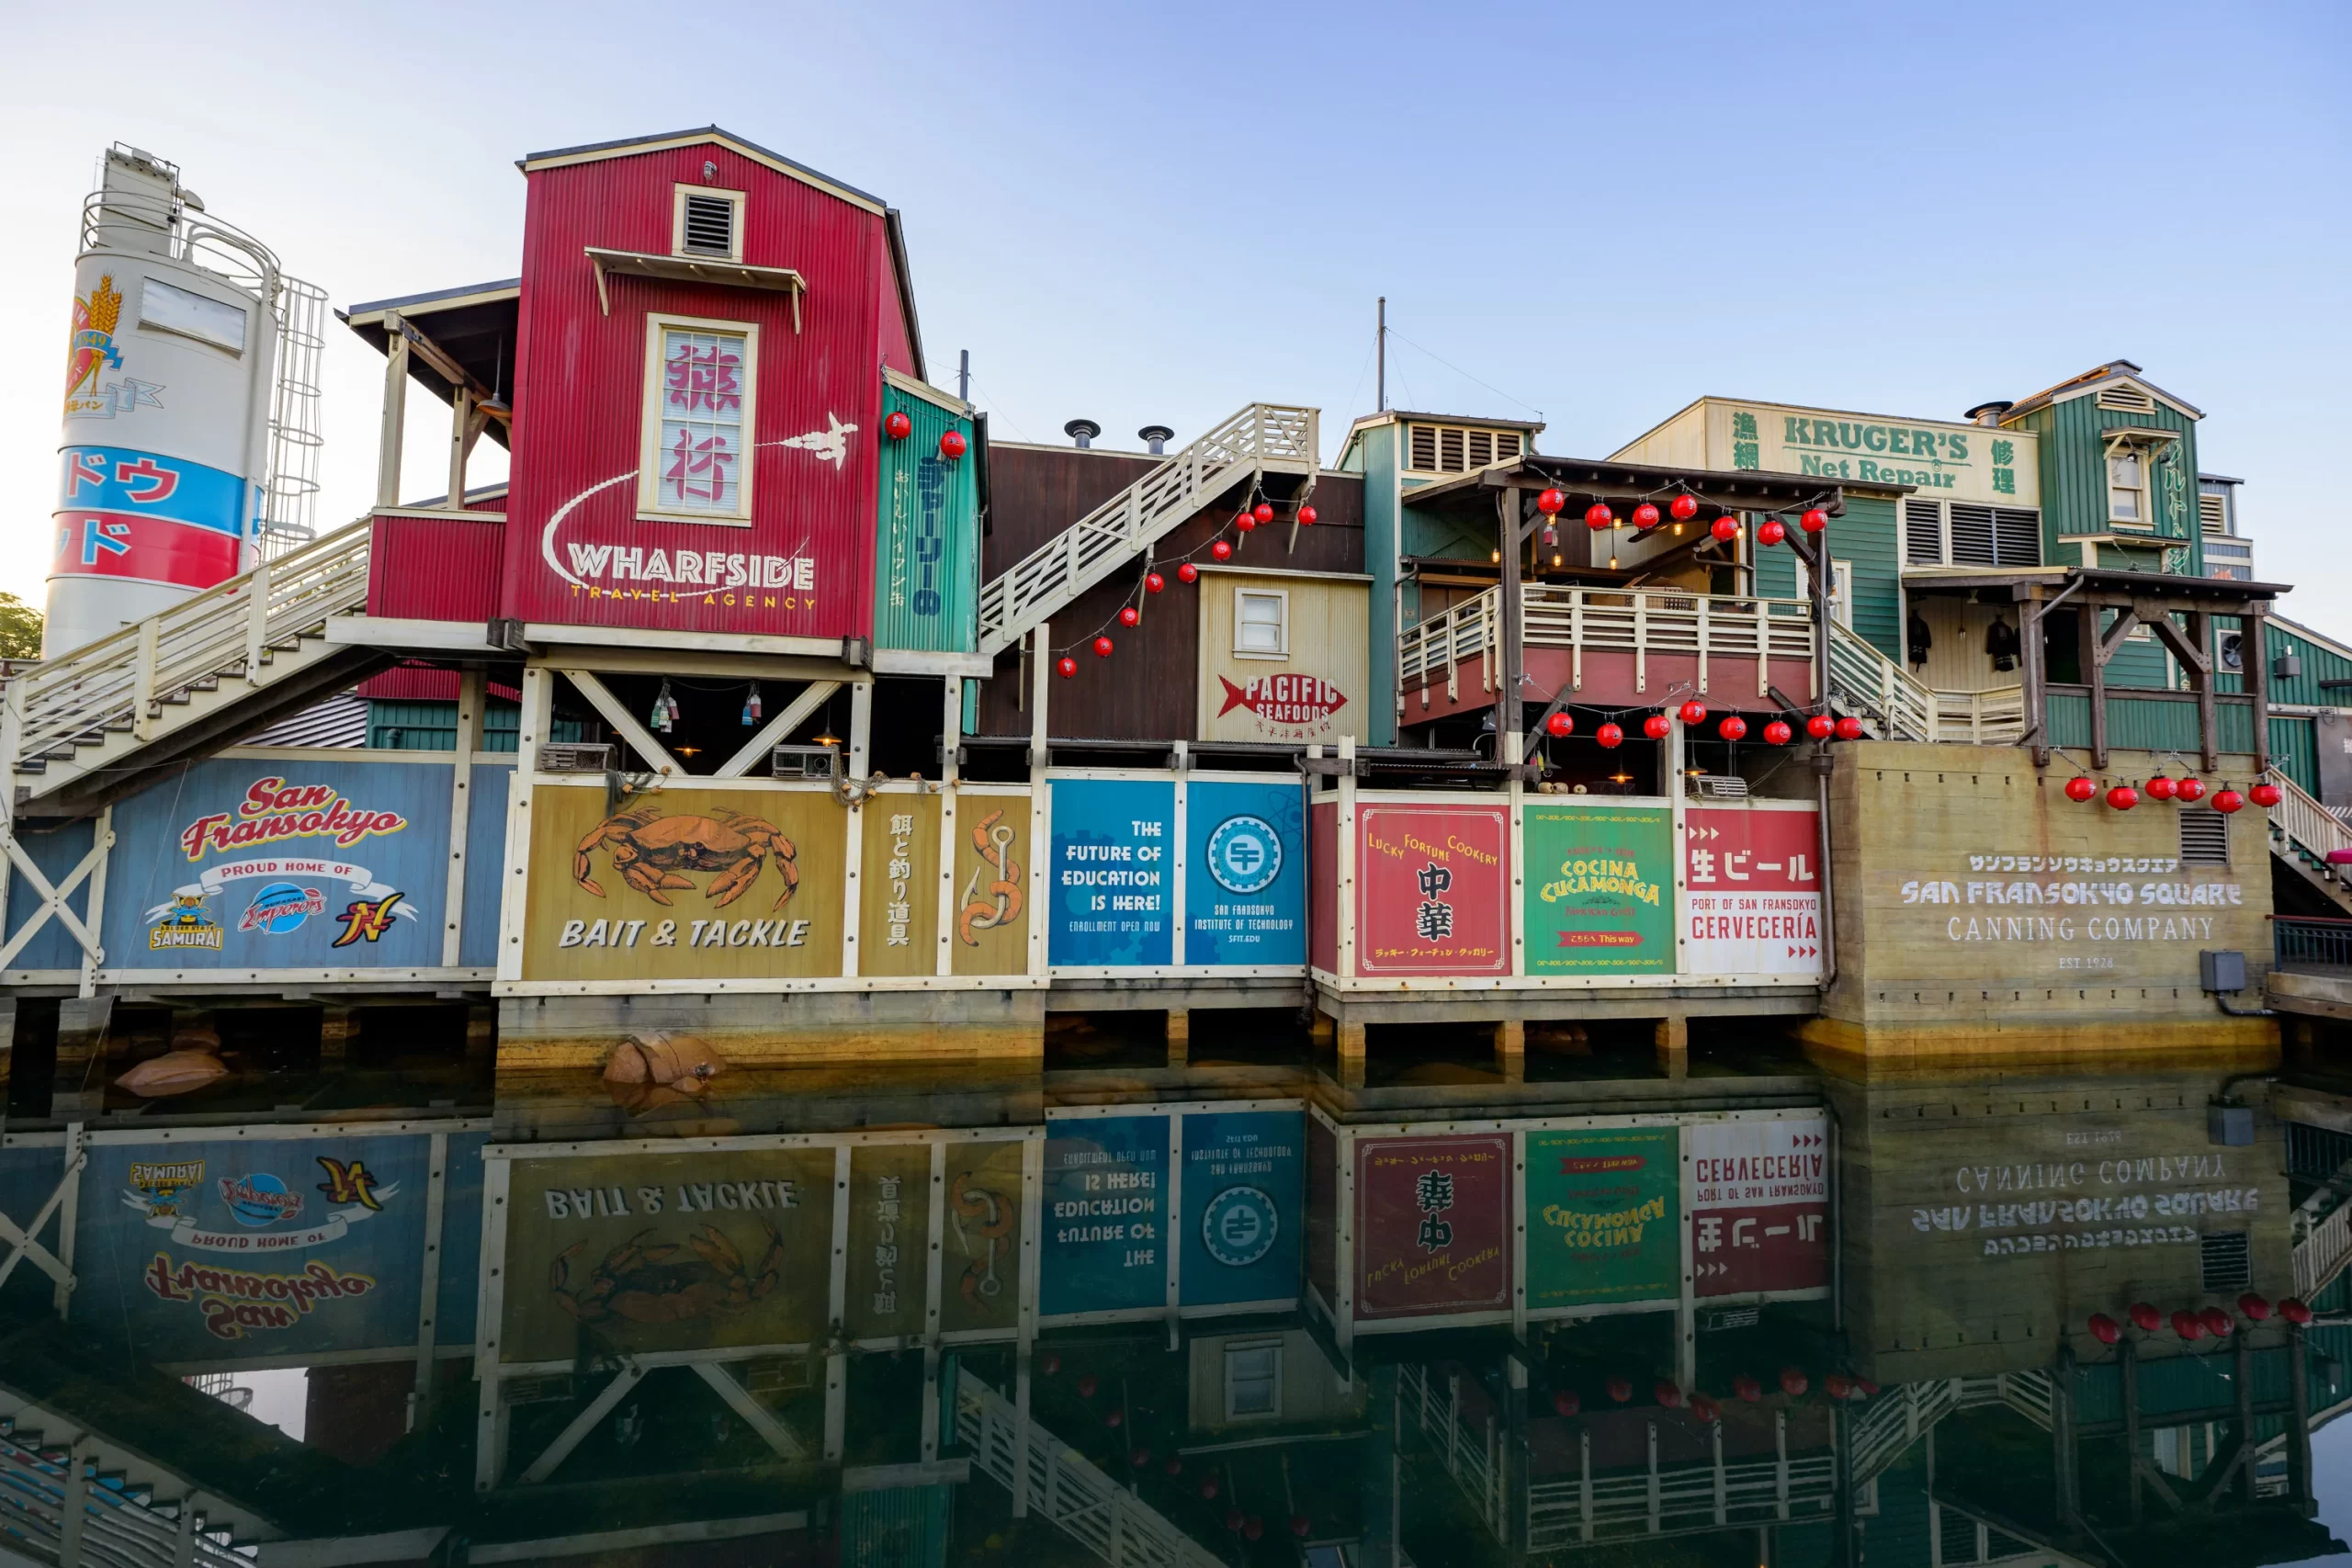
245 865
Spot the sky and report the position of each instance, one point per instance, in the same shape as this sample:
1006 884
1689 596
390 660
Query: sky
1588 214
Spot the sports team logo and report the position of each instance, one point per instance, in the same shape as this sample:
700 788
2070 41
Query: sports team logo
1245 854
280 907
182 924
1239 1225
269 1213
162 1182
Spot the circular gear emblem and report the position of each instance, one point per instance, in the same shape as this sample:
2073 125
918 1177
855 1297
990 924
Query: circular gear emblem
1239 1225
1245 854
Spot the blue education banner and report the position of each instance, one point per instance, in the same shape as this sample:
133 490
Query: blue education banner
1244 1194
1113 874
1245 888
281 864
253 1248
1105 1206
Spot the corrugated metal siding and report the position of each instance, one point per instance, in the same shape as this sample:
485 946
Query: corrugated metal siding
2294 750
337 724
890 316
2074 469
433 726
431 570
2319 664
903 1527
580 378
925 595
405 684
1867 536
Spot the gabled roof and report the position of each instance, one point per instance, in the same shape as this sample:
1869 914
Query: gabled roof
2091 380
1388 415
635 146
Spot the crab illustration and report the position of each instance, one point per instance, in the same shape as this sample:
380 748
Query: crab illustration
640 1283
652 852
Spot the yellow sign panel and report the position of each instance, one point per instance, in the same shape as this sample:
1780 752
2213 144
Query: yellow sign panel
685 883
992 858
898 917
1944 461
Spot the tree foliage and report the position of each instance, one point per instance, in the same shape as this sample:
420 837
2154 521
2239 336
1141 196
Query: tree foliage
19 628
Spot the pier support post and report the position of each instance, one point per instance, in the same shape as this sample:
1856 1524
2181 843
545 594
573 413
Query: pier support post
1180 1037
1352 1052
1510 1050
1674 1046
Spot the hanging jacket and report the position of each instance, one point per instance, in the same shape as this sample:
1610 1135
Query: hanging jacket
2001 642
1921 640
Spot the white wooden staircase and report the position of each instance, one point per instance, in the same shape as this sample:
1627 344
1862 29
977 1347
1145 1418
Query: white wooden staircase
1261 439
91 724
70 1496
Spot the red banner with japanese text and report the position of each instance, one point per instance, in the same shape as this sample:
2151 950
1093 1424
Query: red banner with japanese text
1432 1226
1431 884
1759 1206
1751 901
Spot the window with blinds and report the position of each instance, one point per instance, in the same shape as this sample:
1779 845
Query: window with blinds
1994 535
2213 513
1458 449
708 222
2125 398
1923 533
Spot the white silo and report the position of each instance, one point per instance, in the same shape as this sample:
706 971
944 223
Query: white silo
190 443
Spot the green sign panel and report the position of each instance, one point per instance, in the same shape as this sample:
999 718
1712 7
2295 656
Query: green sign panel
1599 896
1603 1216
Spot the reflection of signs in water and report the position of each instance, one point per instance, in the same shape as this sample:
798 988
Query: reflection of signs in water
1239 1225
260 1199
1245 854
164 1182
1002 905
652 852
646 1283
349 1183
992 1217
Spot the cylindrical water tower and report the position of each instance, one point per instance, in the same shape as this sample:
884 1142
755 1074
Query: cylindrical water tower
190 436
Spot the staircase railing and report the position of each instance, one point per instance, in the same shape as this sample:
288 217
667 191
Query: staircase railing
2323 1251
1260 438
1863 679
124 682
121 1523
1472 1456
2301 820
1743 635
1075 1497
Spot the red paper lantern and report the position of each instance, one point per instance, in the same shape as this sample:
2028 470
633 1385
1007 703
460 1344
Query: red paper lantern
1850 728
1560 724
1813 520
951 446
2159 788
1307 517
1793 1382
899 426
1051 1364
1153 582
1301 1526
2123 797
2188 1324
1221 550
2217 1322
1733 728
1189 573
2188 789
2226 800
1565 1401
1666 1394
1867 1386
1657 726
2265 794
1246 522
1115 1418
1820 727
1175 1465
1684 508
1836 1385
1087 1384
1208 1486
1234 1520
1263 512
1727 528
1552 502
2293 1309
1140 1458
2080 789
1609 737
1748 1390
1778 734
1067 665
1598 517
1695 712
1130 615
2256 1309
2145 1317
2104 1329
1621 1389
1704 1407
1102 647
1252 1527
1771 531
1645 516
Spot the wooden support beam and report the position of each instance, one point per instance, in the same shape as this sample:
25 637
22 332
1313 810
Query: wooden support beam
574 1434
624 723
755 1415
778 730
395 415
2254 663
2094 652
1510 504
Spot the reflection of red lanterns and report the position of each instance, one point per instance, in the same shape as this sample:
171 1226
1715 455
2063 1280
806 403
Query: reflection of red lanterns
1188 572
1695 712
2226 800
1051 1364
1813 520
1153 582
1867 1386
2188 1324
1307 517
1771 531
1850 728
1067 665
2104 1329
2217 1322
2256 1309
2144 1317
1778 734
2080 789
1645 516
1725 528
1115 1418
1565 1401
1748 1390
1560 725
1820 727
2159 788
1704 1407
1666 1394
1087 1384
1552 502
1733 728
1301 1526
1252 1527
2293 1309
1836 1385
1684 508
1102 647
1175 1465
2123 797
1610 736
1657 726
2265 794
1140 1458
1208 1486
951 446
1263 512
2188 789
1130 615
1793 1382
1620 1390
1234 1520
899 426
1221 550
1598 517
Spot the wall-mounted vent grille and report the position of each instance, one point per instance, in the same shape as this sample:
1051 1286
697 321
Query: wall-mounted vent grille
1995 536
2125 399
2213 512
2204 838
710 226
2228 1260
2017 534
1923 533
1457 449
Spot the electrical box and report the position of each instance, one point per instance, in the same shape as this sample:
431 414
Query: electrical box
2232 1127
805 762
2222 971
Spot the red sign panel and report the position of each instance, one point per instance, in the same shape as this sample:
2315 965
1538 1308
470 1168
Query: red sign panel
1751 901
1432 1226
1760 1205
1430 890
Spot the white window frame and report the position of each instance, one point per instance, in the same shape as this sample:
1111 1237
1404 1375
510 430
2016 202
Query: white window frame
1273 1348
1280 596
678 194
1841 590
649 453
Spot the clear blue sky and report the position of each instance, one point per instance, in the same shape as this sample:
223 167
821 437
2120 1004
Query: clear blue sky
1160 214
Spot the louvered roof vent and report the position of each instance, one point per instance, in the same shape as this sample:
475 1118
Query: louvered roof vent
709 226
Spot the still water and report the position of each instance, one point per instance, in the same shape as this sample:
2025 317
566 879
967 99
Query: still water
1121 1313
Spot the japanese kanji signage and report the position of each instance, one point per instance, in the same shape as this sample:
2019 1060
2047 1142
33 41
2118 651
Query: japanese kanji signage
889 1240
136 515
1432 890
898 927
1603 1216
1752 895
1759 1206
1105 1215
1600 890
1432 1226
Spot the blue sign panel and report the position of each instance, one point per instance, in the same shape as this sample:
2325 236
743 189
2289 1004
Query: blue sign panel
57 853
1113 873
254 1247
116 479
1106 1210
1245 885
250 865
1243 1186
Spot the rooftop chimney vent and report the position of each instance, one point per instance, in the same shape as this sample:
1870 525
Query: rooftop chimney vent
1156 438
1989 414
1082 432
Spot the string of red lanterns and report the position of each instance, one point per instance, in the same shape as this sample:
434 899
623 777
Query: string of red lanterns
2187 789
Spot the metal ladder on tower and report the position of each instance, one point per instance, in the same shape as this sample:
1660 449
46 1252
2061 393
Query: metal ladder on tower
81 728
1261 439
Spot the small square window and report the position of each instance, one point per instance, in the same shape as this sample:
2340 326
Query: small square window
699 382
1253 1382
1260 623
2124 483
706 222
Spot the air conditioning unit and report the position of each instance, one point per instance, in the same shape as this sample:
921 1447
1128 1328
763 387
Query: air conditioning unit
805 762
